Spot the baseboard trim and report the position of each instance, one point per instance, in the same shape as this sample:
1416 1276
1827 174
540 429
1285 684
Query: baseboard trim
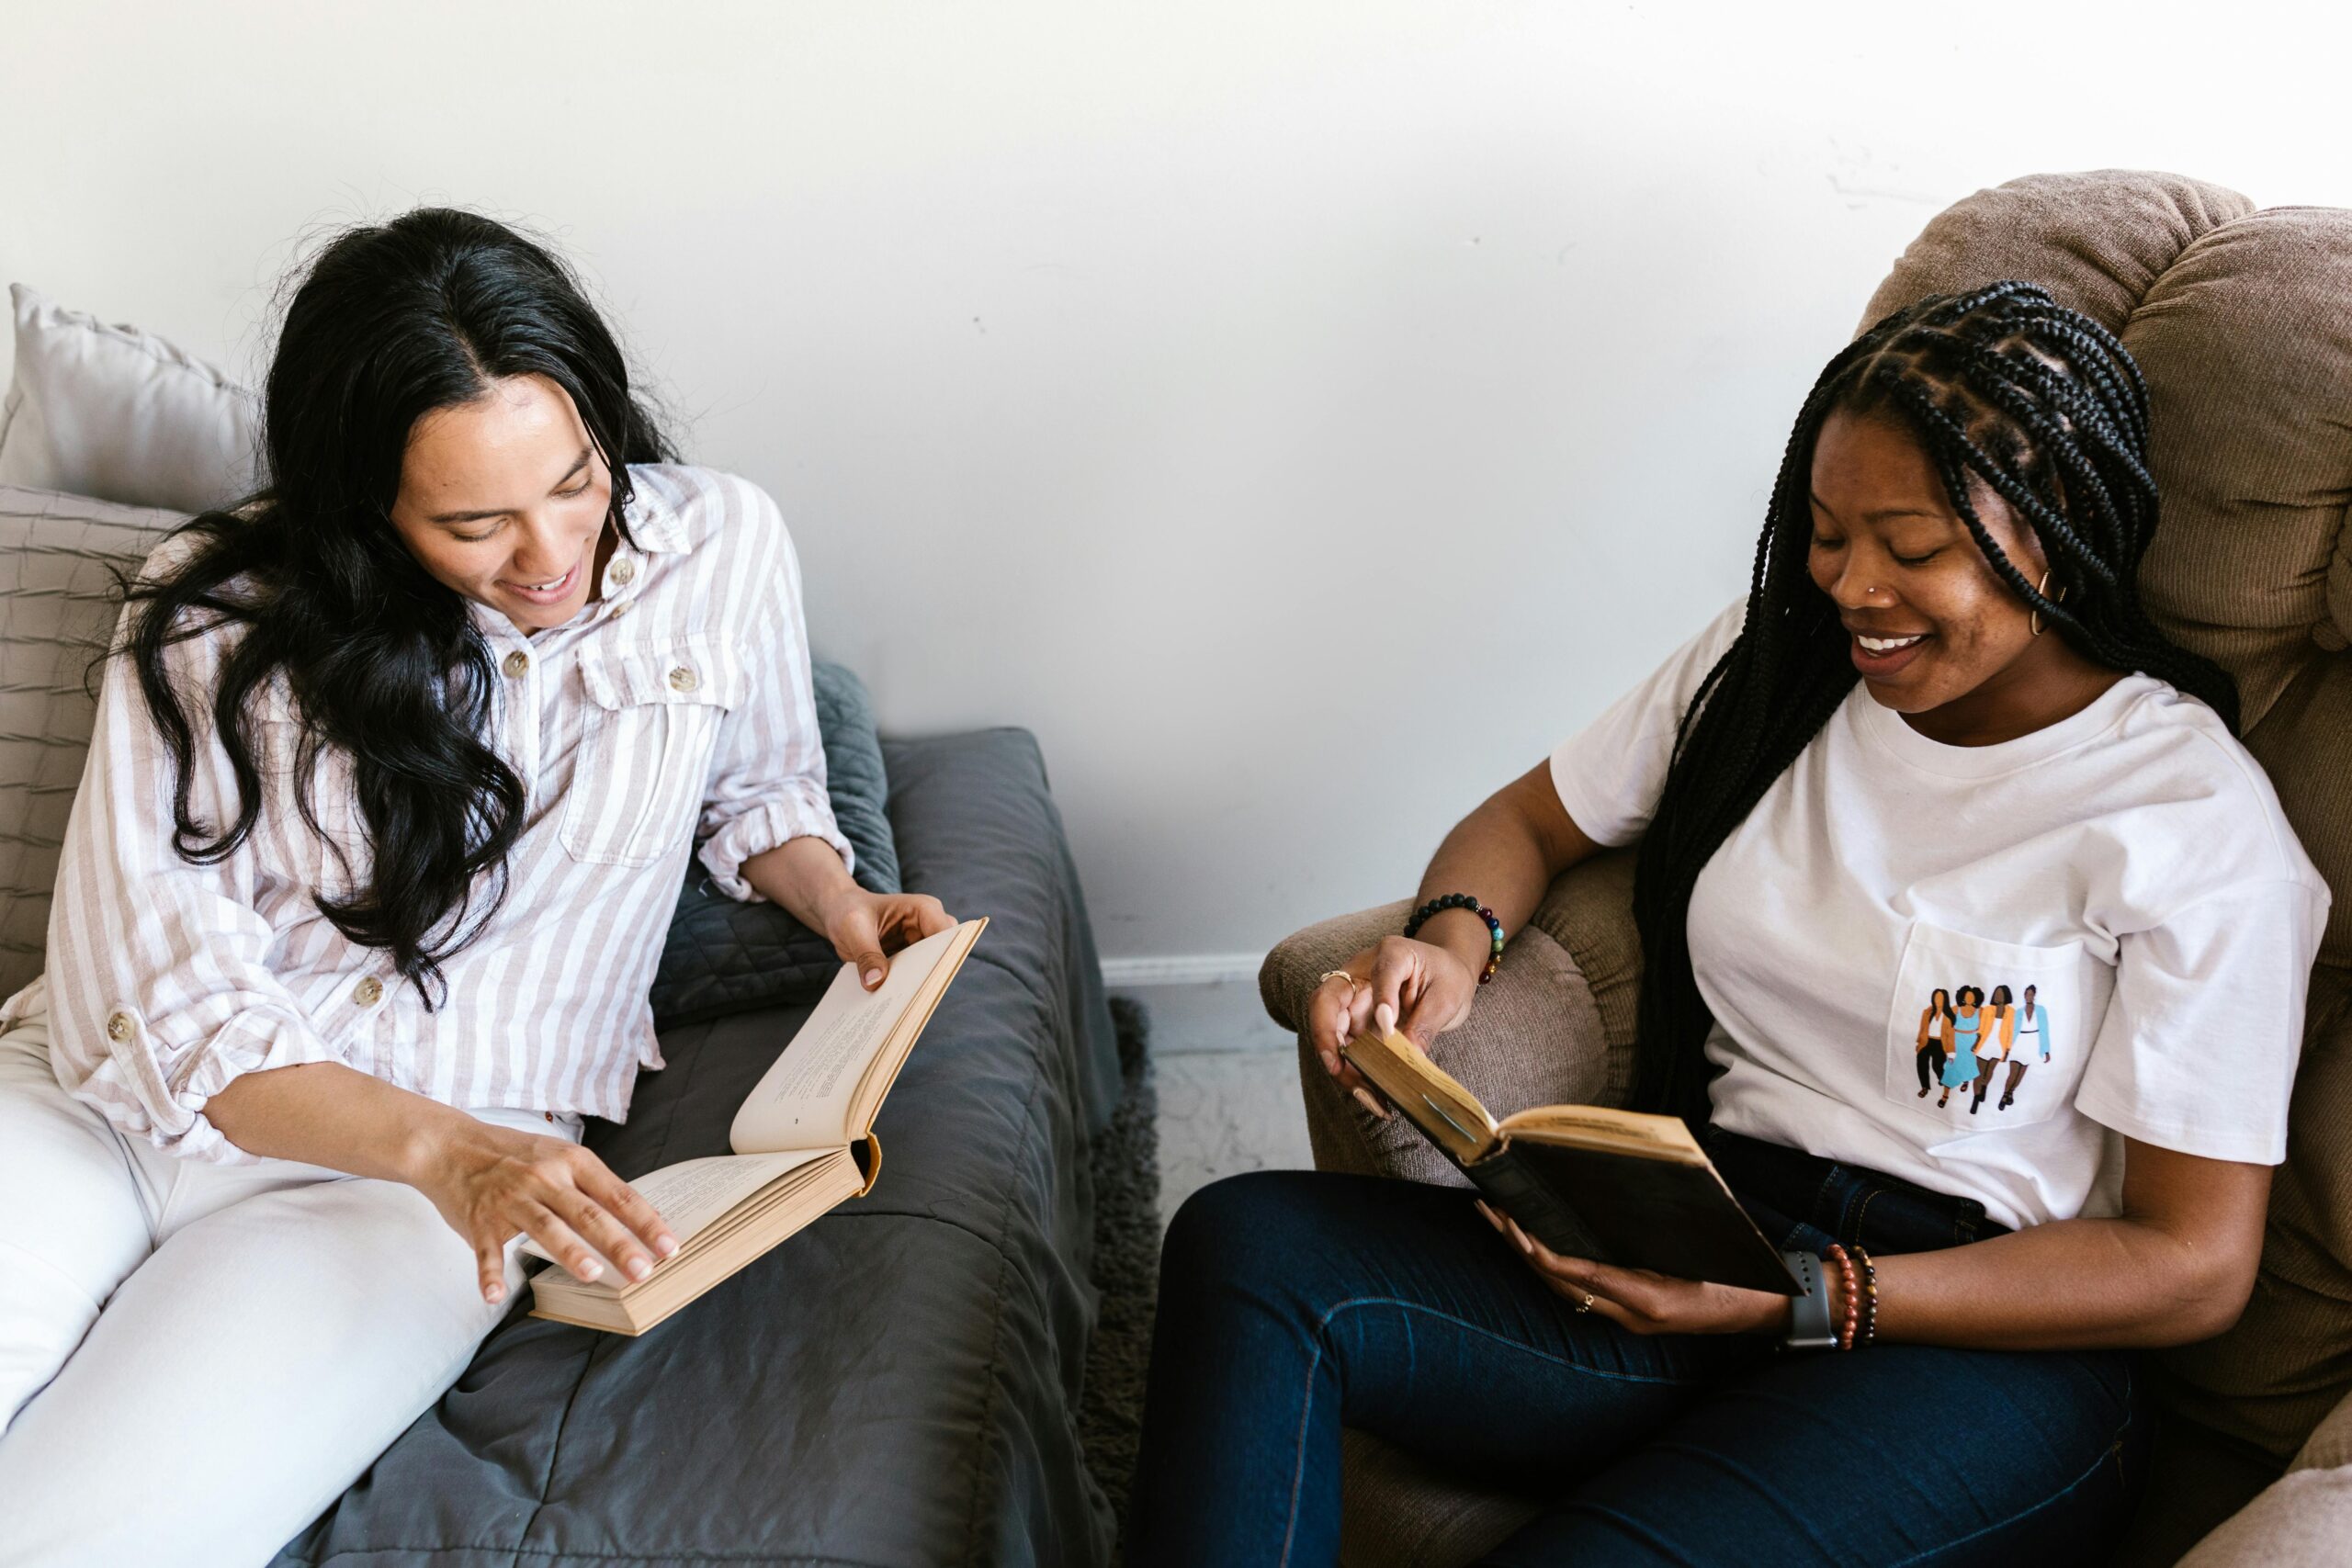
1183 969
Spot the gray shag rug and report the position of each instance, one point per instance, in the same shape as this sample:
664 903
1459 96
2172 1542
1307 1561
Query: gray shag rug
1126 1167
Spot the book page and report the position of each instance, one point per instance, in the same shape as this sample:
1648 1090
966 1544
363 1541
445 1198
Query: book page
1604 1127
692 1194
803 1100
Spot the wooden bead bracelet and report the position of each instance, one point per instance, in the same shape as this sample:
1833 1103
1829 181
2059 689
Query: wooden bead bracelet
1852 1314
1861 1278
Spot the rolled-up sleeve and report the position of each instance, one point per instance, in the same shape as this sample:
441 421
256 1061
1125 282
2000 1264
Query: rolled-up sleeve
767 777
159 985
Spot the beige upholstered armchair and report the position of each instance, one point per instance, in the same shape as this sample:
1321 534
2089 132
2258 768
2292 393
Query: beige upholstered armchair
2242 321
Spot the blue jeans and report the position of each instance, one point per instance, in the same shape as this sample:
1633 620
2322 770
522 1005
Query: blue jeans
1295 1303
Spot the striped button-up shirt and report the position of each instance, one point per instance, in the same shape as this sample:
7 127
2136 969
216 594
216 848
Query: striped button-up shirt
675 708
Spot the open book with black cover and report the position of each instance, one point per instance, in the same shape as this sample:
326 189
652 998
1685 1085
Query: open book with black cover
803 1141
1587 1182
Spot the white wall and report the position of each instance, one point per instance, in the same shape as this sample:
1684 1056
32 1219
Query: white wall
1299 414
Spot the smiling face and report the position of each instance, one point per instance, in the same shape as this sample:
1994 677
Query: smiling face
503 500
1935 636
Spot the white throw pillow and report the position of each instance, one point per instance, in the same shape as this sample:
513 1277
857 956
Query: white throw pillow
57 614
120 415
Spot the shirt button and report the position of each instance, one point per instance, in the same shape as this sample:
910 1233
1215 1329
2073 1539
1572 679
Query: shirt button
622 572
622 608
369 992
118 1027
518 663
683 679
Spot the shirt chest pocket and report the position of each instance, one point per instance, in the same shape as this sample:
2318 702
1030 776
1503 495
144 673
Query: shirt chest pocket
327 854
1985 1034
652 723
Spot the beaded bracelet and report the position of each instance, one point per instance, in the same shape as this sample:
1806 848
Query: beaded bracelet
1435 907
1869 1296
1853 1307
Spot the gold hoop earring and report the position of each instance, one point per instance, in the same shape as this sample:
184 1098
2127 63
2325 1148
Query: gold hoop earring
2033 618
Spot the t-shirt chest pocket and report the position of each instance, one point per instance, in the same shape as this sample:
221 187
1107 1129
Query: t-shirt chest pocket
653 716
1985 1034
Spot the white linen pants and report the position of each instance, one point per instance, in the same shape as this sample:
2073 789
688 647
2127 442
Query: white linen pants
196 1359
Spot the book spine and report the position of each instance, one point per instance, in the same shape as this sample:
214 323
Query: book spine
1541 1212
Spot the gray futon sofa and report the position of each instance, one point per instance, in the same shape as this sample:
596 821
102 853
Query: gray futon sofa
896 1384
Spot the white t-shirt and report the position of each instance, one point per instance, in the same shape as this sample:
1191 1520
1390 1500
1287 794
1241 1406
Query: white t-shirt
2131 864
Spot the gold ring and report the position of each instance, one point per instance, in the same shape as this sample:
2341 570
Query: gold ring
1330 974
1586 1304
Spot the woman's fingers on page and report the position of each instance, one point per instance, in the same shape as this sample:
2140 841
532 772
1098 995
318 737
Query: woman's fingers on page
601 1229
583 1192
857 939
558 1239
612 1218
630 1207
908 918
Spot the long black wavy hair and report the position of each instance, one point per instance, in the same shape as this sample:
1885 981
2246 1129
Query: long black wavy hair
2007 389
390 322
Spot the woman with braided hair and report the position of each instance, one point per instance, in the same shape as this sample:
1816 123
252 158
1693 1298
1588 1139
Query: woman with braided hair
2000 1015
1939 736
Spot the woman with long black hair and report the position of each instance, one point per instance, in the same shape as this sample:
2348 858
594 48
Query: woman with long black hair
1939 737
395 775
1934 1041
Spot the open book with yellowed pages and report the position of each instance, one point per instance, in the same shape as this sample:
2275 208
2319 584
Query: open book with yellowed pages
1586 1180
803 1140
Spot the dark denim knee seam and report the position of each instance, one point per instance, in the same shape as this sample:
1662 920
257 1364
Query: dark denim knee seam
1324 1324
1315 1362
2113 1450
1862 1215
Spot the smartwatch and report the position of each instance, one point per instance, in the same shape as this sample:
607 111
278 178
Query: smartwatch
1809 1326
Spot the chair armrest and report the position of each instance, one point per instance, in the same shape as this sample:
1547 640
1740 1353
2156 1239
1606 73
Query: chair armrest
2330 1445
1589 912
1400 1512
1548 1030
2300 1520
